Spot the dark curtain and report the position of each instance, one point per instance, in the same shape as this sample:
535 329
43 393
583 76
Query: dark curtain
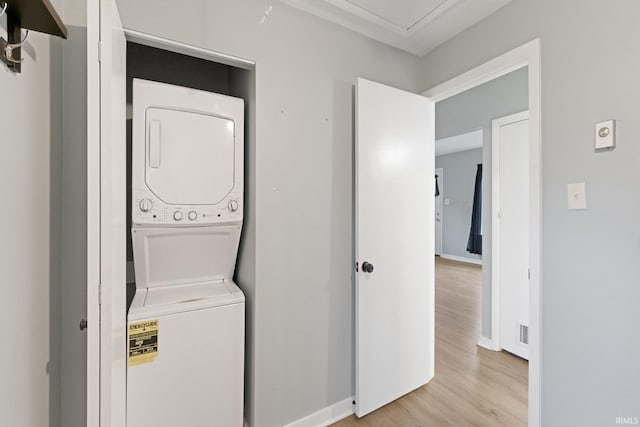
437 187
474 245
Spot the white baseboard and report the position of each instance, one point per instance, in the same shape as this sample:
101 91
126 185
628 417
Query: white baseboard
488 344
461 259
326 416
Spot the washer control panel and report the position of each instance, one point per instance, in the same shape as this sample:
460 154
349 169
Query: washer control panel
149 210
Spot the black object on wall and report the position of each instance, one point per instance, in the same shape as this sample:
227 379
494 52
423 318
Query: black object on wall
34 15
474 245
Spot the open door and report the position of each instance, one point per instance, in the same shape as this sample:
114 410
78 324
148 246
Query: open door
112 217
394 184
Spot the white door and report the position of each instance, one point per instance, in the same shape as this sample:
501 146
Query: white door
112 217
512 137
438 209
394 228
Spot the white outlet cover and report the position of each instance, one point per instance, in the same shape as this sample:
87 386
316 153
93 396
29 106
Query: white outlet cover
605 134
577 196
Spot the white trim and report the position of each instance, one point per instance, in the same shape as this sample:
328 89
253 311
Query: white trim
186 49
523 56
495 218
93 215
461 259
511 61
488 343
326 416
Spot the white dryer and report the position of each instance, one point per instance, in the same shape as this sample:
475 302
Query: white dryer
186 322
188 156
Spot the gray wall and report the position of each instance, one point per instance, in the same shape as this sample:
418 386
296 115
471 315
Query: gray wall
590 270
459 177
30 149
475 109
302 352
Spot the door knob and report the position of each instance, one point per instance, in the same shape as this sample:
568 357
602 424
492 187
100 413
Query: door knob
367 267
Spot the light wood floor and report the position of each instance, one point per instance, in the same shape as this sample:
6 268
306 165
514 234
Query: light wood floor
472 386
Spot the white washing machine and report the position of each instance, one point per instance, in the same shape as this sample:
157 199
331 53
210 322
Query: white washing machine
186 322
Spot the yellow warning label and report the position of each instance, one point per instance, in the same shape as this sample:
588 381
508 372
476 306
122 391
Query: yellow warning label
143 342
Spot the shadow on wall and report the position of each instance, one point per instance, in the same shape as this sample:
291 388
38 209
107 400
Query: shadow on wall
341 336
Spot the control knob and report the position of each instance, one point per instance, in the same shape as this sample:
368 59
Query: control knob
233 205
145 205
177 215
192 215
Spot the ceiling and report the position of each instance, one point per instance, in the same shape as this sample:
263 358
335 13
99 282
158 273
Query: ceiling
416 26
458 143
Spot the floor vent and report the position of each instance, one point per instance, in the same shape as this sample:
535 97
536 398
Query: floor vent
524 334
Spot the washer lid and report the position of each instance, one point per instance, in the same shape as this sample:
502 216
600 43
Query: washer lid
189 156
176 256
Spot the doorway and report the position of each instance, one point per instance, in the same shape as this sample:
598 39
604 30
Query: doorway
469 310
528 56
517 59
463 290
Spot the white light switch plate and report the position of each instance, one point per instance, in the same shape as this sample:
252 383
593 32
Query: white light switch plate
577 196
605 135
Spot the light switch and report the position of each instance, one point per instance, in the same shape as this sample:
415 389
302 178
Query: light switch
605 135
577 196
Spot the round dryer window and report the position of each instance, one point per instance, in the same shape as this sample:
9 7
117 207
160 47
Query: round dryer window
189 156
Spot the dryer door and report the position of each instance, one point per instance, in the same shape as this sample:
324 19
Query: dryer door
189 156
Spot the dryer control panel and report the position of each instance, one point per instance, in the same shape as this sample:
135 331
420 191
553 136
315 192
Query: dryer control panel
147 209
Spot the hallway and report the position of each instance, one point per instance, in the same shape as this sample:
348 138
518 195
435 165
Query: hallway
472 386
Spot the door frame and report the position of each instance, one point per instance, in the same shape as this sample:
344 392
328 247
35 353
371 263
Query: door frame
496 310
527 55
93 215
441 203
99 381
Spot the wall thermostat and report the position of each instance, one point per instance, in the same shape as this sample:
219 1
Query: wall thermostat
605 135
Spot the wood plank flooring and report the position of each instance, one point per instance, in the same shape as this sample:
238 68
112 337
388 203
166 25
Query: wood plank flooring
472 386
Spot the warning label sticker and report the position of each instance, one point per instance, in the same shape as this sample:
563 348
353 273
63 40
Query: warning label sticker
143 342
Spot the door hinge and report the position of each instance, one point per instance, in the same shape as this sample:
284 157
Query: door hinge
529 273
356 267
100 51
99 293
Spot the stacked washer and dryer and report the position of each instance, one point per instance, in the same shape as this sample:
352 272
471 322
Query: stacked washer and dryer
186 321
